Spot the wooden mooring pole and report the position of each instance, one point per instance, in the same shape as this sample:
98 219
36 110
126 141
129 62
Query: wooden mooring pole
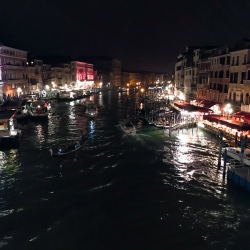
220 149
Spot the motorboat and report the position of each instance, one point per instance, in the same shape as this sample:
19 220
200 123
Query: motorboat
38 109
128 127
19 105
121 89
91 109
10 134
235 153
63 150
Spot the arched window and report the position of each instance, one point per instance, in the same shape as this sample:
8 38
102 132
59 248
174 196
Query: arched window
215 74
227 74
211 74
230 96
221 74
214 85
241 98
248 75
211 85
247 99
234 97
225 89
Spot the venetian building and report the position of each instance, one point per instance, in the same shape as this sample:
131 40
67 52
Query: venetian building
46 75
57 77
35 75
82 75
239 85
203 74
134 79
219 74
125 79
13 78
179 74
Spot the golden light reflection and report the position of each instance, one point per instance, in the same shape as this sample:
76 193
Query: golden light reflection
40 134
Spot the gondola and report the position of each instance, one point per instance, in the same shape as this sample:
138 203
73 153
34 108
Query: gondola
68 149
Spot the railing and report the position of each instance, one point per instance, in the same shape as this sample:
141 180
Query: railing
15 80
12 66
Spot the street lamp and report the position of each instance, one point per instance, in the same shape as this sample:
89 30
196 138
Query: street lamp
228 110
142 90
19 90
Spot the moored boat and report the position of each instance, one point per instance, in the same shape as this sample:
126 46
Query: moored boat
19 105
10 134
128 127
38 109
121 90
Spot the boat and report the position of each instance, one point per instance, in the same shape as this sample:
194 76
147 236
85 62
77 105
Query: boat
38 109
63 150
19 105
235 153
91 110
128 127
10 134
73 95
121 89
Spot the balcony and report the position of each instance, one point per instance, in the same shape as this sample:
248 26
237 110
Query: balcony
15 81
12 66
246 82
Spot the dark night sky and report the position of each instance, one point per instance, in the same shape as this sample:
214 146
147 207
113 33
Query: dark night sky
143 34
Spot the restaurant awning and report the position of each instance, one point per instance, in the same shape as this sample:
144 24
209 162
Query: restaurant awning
192 108
229 123
207 104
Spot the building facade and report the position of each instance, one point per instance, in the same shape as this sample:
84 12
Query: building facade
13 77
82 75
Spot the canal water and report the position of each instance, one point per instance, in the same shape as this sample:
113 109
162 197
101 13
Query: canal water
150 191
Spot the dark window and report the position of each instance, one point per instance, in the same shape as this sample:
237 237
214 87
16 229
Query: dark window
245 59
222 60
243 77
232 61
231 77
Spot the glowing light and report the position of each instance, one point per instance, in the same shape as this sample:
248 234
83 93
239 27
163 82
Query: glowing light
47 87
19 90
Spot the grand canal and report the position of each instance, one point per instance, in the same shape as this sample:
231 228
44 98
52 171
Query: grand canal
119 192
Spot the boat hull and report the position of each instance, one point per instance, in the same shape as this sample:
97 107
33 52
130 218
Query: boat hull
57 153
67 99
127 130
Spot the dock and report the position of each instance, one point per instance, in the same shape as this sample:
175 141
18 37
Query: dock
240 176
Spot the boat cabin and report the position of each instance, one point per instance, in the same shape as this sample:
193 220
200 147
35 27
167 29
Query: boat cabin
38 108
8 123
19 105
